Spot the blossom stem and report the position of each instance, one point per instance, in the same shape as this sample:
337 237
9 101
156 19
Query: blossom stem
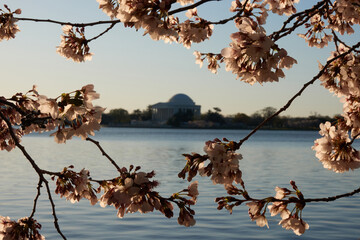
104 153
37 169
56 224
182 9
224 21
106 30
288 104
10 104
299 22
68 23
36 199
333 198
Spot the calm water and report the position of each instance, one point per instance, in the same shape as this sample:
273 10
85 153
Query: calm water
271 158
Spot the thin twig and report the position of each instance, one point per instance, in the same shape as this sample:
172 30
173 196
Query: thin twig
299 22
35 166
108 29
10 104
104 153
36 198
333 198
68 23
191 6
224 21
305 200
354 138
287 105
56 224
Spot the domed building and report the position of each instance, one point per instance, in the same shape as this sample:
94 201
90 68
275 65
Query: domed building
162 111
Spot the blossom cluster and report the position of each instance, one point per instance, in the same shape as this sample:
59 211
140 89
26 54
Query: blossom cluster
24 229
7 142
131 192
339 17
153 17
334 149
341 77
72 46
8 28
223 166
282 7
75 186
290 220
71 114
316 36
252 55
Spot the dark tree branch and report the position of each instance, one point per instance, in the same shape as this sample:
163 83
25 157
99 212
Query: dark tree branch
333 198
224 21
287 105
297 200
37 169
182 9
10 104
108 29
36 198
56 224
299 22
68 23
104 153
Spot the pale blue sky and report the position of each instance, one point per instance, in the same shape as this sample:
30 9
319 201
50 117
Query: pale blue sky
131 71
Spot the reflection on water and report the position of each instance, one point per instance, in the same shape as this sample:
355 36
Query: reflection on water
271 158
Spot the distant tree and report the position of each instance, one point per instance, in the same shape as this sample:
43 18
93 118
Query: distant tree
147 114
136 115
216 109
119 115
215 117
267 112
241 118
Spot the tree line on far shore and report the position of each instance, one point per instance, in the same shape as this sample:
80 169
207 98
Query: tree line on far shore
214 119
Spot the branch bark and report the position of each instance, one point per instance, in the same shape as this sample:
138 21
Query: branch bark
104 153
288 104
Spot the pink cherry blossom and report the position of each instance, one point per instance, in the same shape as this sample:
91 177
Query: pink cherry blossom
48 105
109 7
294 223
8 28
224 162
74 47
24 229
334 151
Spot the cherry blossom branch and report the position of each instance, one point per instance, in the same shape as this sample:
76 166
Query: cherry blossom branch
305 200
104 153
37 169
36 198
224 21
288 104
56 224
106 30
333 198
354 138
10 104
337 40
182 9
284 31
68 23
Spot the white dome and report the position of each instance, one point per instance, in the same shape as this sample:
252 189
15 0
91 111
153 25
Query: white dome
181 99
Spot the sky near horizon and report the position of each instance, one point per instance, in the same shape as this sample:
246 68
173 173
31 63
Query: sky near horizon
132 71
